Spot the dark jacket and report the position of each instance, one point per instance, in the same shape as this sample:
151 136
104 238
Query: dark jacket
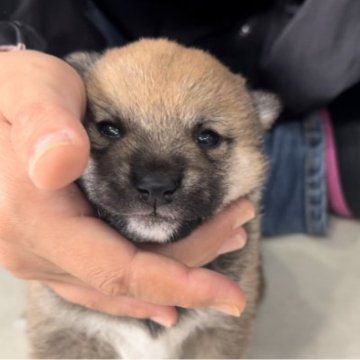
306 51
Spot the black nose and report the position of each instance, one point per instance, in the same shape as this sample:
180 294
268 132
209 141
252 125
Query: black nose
159 186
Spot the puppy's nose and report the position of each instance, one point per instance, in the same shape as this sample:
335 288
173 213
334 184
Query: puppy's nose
158 186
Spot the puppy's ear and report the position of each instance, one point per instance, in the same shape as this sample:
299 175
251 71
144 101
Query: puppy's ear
82 62
267 105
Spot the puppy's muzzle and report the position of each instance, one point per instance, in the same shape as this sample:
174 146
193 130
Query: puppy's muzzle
157 187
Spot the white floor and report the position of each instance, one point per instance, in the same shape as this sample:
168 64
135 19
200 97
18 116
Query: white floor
311 308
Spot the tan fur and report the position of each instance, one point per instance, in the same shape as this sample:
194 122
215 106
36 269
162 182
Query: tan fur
162 91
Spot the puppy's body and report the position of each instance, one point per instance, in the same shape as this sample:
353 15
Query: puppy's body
175 138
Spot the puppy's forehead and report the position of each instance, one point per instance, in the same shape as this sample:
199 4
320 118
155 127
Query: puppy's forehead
156 81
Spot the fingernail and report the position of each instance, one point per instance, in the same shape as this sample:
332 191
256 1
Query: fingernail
48 142
237 242
227 309
163 322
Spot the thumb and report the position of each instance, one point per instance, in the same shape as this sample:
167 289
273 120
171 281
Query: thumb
43 99
53 144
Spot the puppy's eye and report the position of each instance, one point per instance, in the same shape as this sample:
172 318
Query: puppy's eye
109 129
207 139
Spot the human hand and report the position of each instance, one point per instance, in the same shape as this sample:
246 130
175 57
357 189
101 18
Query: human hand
47 231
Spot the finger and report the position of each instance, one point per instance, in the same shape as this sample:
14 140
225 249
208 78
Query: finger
45 113
13 178
163 281
115 267
53 144
223 233
28 266
118 306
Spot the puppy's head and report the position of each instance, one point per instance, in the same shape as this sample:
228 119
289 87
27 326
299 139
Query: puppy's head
175 137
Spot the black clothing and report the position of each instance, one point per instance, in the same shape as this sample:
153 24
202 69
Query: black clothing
306 51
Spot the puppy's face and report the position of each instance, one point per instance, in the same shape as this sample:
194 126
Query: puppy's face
175 136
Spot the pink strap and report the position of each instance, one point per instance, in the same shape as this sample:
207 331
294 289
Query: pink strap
336 197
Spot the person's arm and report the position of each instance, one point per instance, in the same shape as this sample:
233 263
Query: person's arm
315 56
47 231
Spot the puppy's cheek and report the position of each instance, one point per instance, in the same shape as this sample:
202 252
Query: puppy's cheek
245 174
191 179
89 181
94 183
113 172
202 202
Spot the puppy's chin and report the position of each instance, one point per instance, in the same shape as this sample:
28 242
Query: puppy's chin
157 229
150 229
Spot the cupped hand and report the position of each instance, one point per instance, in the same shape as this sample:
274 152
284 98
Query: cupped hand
47 231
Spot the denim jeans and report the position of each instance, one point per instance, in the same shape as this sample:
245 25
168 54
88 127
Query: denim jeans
294 197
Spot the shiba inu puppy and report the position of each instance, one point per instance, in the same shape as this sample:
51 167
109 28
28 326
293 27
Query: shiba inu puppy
175 136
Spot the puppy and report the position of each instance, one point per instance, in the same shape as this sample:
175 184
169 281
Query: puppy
175 137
